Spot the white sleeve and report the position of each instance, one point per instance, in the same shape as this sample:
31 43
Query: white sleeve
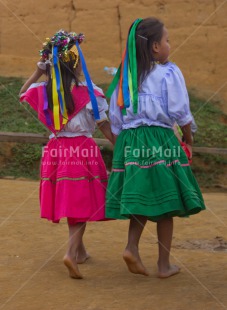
176 96
102 107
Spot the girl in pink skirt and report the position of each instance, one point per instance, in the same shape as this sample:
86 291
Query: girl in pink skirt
73 174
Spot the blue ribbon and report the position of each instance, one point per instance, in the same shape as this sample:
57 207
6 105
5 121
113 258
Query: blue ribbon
57 74
89 84
125 88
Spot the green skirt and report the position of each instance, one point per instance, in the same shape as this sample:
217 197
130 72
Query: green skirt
151 176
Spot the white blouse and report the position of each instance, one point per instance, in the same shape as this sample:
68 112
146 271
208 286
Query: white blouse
162 101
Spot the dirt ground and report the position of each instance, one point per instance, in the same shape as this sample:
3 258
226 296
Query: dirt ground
33 276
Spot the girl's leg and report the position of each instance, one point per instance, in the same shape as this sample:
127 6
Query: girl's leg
165 233
81 254
131 253
76 232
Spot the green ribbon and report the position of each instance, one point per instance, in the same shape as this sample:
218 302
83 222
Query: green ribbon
114 83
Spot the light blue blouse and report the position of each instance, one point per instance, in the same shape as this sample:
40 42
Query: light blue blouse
162 101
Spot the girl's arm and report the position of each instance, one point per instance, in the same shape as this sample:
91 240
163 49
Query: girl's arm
104 126
186 130
33 78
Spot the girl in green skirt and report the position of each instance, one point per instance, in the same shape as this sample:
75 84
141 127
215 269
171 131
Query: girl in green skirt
151 178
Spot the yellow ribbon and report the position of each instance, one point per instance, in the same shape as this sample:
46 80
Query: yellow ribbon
130 83
55 101
65 115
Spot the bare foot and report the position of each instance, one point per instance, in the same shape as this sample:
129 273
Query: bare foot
134 263
80 259
72 268
168 272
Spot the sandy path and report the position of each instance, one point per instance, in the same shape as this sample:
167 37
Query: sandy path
33 276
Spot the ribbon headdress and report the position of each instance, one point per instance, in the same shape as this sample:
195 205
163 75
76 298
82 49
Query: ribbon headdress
59 48
126 75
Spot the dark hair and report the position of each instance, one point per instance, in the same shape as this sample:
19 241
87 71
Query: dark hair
68 74
149 30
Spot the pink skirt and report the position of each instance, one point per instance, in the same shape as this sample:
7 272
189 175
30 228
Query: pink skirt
73 180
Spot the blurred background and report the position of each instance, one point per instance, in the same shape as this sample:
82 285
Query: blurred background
197 28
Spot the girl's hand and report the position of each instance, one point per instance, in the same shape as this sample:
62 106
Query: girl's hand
33 79
187 148
104 126
43 64
187 135
190 149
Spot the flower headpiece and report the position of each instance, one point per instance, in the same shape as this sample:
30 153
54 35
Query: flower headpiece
65 42
126 75
59 48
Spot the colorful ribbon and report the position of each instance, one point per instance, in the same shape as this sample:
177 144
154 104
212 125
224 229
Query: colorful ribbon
55 98
58 97
61 96
126 76
58 92
133 64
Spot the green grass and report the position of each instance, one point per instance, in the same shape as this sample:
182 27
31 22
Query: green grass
211 121
209 169
24 159
23 162
16 117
